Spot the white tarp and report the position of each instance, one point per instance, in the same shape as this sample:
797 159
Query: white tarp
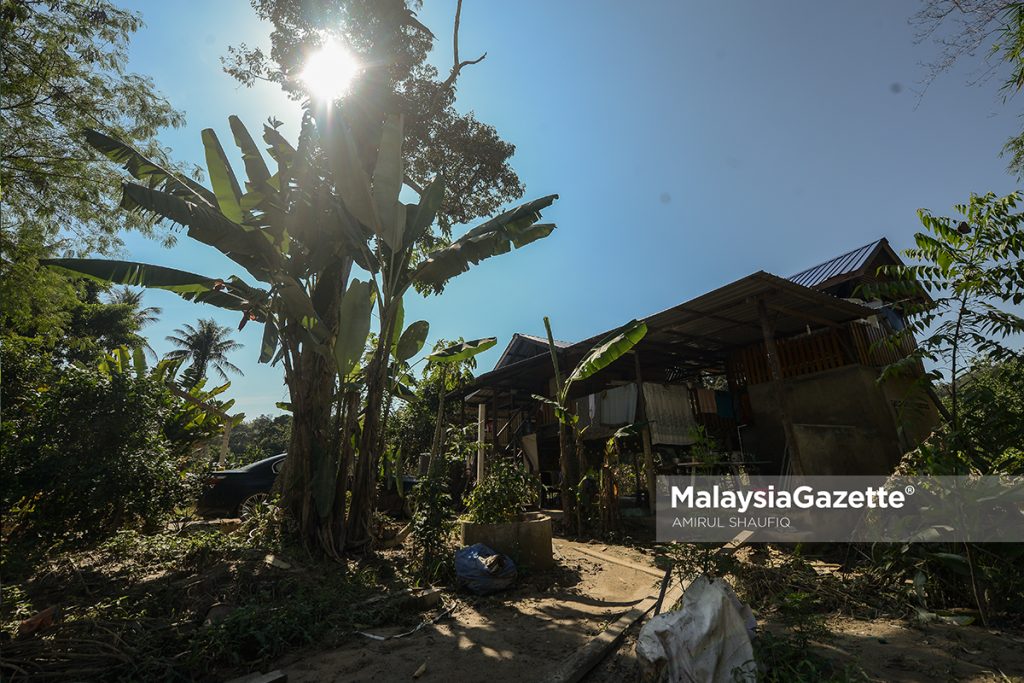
669 412
707 640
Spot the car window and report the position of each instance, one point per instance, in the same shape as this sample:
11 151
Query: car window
276 467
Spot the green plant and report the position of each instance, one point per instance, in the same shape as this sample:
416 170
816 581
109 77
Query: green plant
432 524
603 354
446 358
704 448
502 494
332 204
86 455
970 267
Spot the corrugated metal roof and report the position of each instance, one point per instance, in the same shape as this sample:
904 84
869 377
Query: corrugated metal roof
845 264
700 333
541 340
515 350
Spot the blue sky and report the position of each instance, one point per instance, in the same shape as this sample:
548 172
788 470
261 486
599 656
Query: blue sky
691 143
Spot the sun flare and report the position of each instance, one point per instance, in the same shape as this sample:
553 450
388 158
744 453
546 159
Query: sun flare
329 71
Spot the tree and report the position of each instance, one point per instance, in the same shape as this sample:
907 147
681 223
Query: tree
469 154
64 69
203 347
971 267
991 396
143 316
259 438
962 28
411 429
570 437
300 231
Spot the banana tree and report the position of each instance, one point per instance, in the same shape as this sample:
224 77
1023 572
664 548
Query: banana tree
399 230
444 358
289 231
600 356
299 230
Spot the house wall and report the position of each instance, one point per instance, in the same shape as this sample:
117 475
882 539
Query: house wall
844 423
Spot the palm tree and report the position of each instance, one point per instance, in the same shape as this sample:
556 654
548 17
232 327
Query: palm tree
141 316
130 297
203 347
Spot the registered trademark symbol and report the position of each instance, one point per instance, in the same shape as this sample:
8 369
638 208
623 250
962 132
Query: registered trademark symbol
910 490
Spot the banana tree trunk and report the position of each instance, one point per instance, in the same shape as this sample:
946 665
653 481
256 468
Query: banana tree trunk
364 480
311 389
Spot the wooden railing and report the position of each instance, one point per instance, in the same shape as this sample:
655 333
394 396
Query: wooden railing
821 350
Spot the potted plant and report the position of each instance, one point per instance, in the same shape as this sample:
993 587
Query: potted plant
496 515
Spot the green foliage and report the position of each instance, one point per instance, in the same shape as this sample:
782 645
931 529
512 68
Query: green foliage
502 494
133 583
260 438
462 351
787 657
64 69
970 269
410 429
606 352
204 347
991 396
84 455
432 523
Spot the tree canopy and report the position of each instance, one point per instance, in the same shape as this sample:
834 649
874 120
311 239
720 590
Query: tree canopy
64 68
469 154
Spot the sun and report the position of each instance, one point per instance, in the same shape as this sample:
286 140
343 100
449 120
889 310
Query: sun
329 72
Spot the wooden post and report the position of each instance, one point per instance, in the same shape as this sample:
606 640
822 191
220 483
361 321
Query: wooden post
645 433
778 386
481 447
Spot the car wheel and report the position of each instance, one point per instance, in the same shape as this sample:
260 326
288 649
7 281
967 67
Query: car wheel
250 504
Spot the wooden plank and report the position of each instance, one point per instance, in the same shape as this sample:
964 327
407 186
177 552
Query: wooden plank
617 560
593 653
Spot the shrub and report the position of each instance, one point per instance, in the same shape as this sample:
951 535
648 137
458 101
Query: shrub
84 455
501 496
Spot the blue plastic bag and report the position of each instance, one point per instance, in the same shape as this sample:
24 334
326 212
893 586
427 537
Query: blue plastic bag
482 570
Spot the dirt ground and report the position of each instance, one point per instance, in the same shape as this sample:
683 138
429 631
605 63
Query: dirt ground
888 652
523 634
518 635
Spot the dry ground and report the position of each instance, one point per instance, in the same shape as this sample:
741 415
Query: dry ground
523 634
518 635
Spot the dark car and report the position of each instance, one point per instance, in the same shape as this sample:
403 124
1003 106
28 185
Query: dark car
232 493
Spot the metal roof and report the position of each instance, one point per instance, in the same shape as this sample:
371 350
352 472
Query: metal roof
517 350
697 334
841 267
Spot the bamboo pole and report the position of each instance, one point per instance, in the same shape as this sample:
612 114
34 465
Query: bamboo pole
645 434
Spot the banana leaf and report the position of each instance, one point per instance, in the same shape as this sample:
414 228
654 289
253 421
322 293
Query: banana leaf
225 185
606 352
144 169
255 166
387 182
419 217
412 340
188 286
353 325
244 246
515 228
349 177
462 351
